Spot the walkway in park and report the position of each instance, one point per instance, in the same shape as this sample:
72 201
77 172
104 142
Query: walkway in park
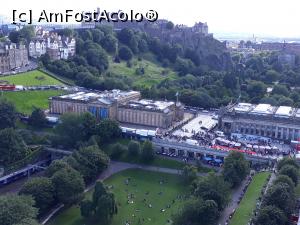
233 203
116 167
235 198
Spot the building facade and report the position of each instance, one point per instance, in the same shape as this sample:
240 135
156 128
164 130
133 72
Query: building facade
101 105
37 48
150 113
12 56
126 107
57 47
275 122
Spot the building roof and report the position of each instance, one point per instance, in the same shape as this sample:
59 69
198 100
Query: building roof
264 110
284 111
106 97
151 105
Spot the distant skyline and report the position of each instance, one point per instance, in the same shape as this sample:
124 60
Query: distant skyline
275 18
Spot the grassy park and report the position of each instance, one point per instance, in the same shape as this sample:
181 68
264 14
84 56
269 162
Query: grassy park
244 212
31 78
26 101
149 197
153 73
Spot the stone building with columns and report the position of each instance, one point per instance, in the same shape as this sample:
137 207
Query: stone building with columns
100 104
123 106
151 113
276 122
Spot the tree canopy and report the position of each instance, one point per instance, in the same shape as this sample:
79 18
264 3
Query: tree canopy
12 147
16 209
236 168
42 191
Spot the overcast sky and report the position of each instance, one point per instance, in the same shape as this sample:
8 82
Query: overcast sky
260 17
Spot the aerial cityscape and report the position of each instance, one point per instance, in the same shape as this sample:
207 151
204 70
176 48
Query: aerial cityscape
129 114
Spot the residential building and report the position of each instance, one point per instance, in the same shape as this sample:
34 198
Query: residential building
58 47
12 56
37 47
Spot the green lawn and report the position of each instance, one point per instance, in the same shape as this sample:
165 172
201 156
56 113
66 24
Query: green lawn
153 72
244 212
31 78
141 182
25 101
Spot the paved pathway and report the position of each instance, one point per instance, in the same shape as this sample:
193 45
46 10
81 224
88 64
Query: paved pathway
235 198
116 167
233 203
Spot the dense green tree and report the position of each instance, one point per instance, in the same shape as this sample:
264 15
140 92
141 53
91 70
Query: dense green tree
69 131
86 208
143 45
68 185
102 207
213 187
14 36
98 35
281 196
236 168
37 118
230 81
42 191
108 130
17 209
147 153
284 179
127 37
256 89
189 174
269 100
125 53
134 148
56 166
12 147
8 114
79 46
272 76
291 171
109 43
89 124
66 32
183 66
117 150
192 55
270 215
98 58
280 90
287 161
197 212
27 33
285 101
86 35
90 161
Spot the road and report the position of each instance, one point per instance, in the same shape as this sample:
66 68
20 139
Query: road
116 167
